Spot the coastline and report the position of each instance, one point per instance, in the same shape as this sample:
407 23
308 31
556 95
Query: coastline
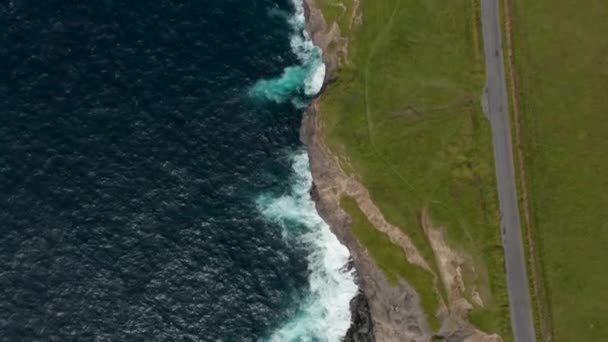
380 311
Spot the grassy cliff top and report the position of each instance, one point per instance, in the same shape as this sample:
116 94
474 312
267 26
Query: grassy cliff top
405 115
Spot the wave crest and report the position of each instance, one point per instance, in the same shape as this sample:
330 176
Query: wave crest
305 79
325 313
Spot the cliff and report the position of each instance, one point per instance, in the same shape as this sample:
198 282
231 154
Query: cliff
383 311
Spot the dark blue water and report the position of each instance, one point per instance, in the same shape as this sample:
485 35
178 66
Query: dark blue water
132 161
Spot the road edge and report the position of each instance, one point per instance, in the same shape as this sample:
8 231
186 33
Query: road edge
541 312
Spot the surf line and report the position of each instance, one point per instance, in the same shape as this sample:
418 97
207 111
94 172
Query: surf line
324 314
296 81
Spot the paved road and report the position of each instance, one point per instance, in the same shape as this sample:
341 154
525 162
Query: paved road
498 111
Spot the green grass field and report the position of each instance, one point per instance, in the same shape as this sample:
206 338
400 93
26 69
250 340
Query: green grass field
561 56
406 113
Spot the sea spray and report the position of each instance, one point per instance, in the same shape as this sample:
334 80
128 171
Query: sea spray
324 314
296 81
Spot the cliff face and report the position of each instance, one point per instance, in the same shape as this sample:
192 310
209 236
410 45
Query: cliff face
380 312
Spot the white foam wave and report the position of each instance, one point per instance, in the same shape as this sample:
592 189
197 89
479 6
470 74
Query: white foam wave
325 314
311 71
308 53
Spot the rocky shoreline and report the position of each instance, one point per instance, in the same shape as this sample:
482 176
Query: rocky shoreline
380 312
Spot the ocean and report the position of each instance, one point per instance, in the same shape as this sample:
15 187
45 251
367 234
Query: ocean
152 182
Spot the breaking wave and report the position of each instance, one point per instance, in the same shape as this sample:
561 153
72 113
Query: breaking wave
305 79
324 314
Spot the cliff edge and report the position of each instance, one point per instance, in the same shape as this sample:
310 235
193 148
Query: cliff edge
383 311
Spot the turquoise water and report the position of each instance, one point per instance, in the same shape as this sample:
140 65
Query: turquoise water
297 82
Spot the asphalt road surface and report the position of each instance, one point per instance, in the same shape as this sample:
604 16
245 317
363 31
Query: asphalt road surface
496 106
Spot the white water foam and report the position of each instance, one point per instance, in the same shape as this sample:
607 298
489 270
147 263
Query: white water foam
306 78
325 314
308 53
